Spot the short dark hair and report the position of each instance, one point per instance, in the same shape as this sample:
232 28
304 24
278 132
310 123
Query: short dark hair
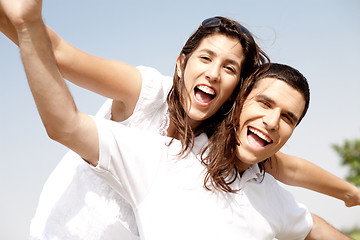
285 73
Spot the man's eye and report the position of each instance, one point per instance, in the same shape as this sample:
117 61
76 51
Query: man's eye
288 119
265 104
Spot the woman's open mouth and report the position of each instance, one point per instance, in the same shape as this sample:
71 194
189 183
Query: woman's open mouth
204 94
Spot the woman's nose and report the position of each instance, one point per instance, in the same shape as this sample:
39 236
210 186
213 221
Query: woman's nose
213 72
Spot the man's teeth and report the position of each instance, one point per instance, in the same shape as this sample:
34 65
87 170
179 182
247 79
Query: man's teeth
260 134
206 89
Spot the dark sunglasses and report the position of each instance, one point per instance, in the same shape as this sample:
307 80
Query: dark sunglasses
216 22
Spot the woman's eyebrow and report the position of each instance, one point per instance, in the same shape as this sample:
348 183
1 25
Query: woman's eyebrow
228 60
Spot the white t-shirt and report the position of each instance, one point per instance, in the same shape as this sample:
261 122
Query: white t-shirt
77 204
169 199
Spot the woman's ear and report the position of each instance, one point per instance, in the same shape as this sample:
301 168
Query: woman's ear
179 64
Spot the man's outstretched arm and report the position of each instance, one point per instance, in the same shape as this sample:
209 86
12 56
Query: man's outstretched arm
63 122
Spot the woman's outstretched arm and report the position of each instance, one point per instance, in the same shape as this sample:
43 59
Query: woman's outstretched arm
296 171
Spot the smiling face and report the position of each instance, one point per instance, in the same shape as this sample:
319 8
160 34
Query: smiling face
267 120
211 75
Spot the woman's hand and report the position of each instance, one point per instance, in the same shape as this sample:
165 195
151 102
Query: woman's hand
353 199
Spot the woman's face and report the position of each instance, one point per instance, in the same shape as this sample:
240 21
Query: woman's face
211 75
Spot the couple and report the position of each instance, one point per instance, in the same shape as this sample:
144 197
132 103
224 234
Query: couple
220 57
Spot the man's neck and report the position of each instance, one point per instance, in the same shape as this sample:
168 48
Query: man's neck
240 166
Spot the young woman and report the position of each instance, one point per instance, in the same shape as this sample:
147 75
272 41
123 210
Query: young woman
207 72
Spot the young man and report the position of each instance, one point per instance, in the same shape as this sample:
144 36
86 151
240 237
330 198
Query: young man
79 132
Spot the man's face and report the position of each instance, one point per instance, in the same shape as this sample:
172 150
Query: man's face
269 117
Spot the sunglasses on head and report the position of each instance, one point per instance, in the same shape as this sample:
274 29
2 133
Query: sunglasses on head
216 22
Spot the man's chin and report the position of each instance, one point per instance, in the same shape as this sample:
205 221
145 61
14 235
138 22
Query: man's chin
246 159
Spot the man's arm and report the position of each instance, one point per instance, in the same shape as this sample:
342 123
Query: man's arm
110 78
63 122
323 231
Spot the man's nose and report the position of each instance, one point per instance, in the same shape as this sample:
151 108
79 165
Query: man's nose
271 119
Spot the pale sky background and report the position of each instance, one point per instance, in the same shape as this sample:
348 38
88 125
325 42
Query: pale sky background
320 38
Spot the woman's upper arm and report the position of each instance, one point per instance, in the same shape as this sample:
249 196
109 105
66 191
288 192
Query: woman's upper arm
283 167
113 79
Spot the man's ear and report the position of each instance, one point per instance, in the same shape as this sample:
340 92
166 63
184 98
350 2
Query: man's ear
179 64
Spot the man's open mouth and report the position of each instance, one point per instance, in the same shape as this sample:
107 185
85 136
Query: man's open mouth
257 137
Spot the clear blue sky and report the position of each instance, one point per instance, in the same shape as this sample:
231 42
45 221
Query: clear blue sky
320 38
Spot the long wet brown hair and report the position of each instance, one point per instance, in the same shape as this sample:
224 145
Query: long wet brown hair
253 58
219 156
217 126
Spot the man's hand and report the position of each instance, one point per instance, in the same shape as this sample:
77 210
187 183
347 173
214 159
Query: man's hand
20 12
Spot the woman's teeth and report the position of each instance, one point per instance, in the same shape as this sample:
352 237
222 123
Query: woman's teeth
206 89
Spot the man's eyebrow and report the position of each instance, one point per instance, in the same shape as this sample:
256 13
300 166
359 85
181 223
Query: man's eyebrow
268 99
264 97
208 51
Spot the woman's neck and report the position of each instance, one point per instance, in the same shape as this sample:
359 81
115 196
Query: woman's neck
172 132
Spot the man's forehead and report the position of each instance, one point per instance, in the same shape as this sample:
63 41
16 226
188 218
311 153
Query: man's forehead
279 92
266 82
270 83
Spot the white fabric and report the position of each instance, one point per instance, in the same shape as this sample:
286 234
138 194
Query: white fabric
77 204
169 199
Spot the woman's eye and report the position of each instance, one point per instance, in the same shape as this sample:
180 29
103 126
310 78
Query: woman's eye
231 69
206 58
